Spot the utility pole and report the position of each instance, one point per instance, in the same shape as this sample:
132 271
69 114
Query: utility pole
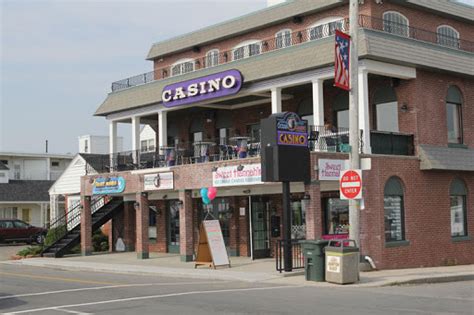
354 134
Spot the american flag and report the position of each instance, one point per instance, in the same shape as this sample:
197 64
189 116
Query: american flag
341 63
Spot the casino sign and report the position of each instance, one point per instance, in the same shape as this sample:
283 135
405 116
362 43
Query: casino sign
292 130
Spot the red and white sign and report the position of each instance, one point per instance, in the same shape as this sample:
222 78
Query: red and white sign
350 184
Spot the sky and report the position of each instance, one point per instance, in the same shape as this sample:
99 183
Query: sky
59 58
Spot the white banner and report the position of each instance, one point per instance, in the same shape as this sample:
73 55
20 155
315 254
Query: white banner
250 174
158 181
330 169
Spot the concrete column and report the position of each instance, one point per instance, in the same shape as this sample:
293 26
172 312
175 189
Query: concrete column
136 139
142 217
364 118
86 226
313 211
129 226
162 129
318 102
186 226
276 100
112 143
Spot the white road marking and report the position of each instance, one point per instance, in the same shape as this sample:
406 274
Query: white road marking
106 287
70 311
138 298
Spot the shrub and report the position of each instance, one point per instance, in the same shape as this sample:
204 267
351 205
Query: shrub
30 251
54 234
100 241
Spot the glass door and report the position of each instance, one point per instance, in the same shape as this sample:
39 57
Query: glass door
260 229
173 226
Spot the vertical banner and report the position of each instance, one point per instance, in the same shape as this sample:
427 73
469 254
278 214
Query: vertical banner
341 61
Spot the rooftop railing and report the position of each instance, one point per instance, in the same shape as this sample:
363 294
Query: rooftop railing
291 39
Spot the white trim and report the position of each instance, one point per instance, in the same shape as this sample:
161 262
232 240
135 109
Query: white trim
384 20
245 45
325 22
283 33
209 52
456 38
181 62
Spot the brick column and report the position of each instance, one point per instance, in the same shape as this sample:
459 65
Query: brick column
313 211
186 226
244 233
129 226
86 226
161 225
142 217
234 228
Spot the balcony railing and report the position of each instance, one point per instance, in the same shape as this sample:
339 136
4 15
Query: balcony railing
391 143
295 38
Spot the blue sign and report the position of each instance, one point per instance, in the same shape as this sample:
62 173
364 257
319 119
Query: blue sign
292 130
108 185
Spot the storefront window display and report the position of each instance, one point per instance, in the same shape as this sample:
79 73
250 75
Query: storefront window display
336 217
393 210
298 220
219 209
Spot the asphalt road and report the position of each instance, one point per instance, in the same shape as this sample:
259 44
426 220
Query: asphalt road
29 290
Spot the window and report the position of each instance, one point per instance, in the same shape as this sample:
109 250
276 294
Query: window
20 225
247 49
395 23
386 109
283 39
457 196
5 162
182 67
9 213
55 164
143 146
212 58
336 216
447 36
147 145
393 211
86 146
454 115
16 171
326 27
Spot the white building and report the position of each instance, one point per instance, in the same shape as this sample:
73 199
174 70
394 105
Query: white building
24 182
97 144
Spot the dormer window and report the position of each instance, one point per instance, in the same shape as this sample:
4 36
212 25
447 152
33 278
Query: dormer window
247 49
447 36
212 58
395 23
182 66
326 27
283 39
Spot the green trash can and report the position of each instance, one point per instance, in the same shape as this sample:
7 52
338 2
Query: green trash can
313 251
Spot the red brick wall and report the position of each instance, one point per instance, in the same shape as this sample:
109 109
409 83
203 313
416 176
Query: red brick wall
427 216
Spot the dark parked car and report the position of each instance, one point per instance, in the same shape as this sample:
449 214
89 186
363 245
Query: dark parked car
17 230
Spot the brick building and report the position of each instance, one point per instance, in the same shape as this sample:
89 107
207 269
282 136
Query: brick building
416 113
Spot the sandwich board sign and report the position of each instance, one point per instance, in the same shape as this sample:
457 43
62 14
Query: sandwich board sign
211 248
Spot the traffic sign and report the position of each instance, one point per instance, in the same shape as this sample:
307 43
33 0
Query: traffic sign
350 184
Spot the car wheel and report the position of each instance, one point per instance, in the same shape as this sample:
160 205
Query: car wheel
39 239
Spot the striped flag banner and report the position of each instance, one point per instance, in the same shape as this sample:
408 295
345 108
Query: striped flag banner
341 62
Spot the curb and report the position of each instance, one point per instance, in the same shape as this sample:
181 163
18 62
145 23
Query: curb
428 280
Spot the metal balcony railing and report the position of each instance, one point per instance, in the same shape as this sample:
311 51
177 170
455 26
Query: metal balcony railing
291 39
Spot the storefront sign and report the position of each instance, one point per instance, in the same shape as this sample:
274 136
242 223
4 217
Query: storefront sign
350 184
158 181
333 264
330 169
292 130
232 176
211 250
212 86
108 185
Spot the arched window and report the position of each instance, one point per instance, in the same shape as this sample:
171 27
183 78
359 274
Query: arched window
212 58
283 39
182 66
386 109
395 23
447 36
457 196
326 27
393 210
454 115
247 49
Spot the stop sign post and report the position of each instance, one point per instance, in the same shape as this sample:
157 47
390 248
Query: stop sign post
350 184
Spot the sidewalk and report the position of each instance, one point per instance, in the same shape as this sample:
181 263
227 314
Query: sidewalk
243 269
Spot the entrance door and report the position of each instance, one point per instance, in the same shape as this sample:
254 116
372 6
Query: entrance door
173 226
260 230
